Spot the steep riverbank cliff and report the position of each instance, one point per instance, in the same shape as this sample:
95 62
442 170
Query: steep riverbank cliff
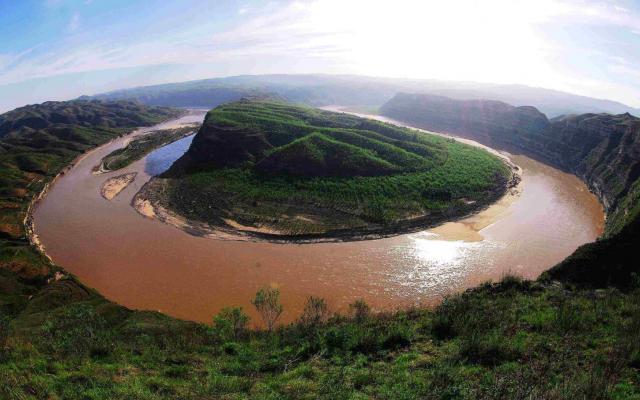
602 149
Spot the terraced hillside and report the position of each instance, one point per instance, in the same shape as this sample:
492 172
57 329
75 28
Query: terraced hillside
272 168
36 143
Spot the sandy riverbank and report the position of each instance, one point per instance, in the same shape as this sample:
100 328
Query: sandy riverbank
113 186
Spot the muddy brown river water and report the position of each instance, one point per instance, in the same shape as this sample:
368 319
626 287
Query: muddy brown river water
145 264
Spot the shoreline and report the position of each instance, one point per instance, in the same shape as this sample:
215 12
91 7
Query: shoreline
29 222
102 169
135 272
147 203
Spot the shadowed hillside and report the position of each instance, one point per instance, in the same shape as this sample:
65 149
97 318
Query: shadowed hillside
601 149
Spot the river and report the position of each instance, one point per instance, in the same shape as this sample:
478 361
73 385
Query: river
144 264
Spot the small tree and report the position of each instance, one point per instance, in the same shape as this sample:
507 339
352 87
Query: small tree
315 312
360 310
267 302
231 322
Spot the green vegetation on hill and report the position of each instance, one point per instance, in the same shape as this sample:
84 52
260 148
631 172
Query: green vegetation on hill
319 155
601 149
36 143
143 145
302 171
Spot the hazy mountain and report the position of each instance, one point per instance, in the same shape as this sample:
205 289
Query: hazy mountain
320 90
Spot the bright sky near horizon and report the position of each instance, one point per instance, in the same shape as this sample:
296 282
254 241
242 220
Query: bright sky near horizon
59 49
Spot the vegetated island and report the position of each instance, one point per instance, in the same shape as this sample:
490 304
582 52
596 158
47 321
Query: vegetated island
141 146
276 171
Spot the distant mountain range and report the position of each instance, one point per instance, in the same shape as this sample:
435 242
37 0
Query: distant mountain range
352 90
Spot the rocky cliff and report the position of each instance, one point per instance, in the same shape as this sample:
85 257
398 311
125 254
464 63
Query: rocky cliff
602 149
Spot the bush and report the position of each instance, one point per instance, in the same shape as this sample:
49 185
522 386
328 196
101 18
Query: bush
488 350
315 312
360 310
398 336
76 331
267 302
231 323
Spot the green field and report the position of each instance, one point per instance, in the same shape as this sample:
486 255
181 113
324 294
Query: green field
304 171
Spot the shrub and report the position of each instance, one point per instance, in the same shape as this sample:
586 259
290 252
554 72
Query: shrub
351 338
360 310
76 331
231 323
398 336
488 350
315 312
267 302
442 326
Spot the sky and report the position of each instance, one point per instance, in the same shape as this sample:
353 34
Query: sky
60 49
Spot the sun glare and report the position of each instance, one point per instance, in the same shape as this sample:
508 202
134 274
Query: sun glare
491 41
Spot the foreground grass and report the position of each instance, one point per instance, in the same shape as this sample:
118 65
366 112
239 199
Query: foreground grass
509 340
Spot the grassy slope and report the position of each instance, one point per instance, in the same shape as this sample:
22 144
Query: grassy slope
344 171
509 340
142 146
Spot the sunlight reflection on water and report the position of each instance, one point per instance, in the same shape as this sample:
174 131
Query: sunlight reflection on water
432 264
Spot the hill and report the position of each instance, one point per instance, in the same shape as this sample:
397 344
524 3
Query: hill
362 91
39 141
602 149
320 155
277 170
